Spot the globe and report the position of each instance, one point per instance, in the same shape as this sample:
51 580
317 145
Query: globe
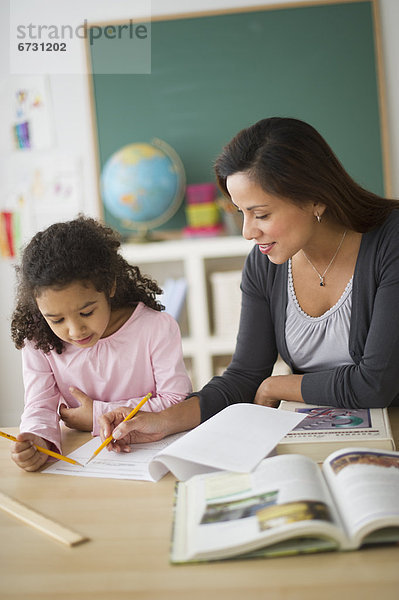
143 185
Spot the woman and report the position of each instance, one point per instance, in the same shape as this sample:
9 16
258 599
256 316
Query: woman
320 287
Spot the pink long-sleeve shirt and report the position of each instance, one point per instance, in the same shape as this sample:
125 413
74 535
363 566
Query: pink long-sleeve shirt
144 355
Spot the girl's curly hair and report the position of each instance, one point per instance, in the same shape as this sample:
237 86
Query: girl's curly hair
78 250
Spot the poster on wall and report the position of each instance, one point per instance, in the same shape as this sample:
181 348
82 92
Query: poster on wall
47 192
32 124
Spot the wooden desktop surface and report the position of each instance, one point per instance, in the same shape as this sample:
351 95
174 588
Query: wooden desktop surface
129 526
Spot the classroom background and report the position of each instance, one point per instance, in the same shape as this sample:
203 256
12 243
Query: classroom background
64 144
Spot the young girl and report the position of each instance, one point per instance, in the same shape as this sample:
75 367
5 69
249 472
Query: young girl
92 334
320 287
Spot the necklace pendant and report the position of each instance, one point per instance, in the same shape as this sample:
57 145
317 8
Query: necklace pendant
321 277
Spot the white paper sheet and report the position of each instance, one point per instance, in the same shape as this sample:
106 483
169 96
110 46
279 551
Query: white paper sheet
114 465
235 439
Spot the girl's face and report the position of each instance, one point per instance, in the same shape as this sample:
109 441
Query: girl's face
77 313
279 227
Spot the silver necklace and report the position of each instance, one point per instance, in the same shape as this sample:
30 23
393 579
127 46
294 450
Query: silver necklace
322 275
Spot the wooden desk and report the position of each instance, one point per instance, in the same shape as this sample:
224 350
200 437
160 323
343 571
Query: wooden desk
127 557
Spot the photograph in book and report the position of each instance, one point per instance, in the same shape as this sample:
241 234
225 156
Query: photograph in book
328 428
335 419
289 505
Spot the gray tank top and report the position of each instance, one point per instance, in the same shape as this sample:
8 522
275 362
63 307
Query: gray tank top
318 343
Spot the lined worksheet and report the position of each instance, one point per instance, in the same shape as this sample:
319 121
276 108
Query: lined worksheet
113 465
235 439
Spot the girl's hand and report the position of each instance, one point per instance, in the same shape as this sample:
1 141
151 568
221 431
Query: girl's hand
143 427
24 453
80 418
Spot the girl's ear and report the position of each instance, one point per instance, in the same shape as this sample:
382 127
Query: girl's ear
113 290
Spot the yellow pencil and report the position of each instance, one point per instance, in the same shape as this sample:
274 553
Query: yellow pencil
130 415
44 450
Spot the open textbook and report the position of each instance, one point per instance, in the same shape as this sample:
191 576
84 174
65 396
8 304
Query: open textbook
289 505
327 428
237 438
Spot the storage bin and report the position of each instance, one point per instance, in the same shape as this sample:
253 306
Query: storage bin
226 302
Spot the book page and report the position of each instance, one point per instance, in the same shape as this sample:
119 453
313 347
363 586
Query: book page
365 485
227 514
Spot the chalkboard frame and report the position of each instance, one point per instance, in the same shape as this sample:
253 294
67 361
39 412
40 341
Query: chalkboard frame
380 91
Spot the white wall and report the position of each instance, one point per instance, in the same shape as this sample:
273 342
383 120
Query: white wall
74 137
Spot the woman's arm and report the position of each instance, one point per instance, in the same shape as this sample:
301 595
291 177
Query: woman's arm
256 351
252 362
148 427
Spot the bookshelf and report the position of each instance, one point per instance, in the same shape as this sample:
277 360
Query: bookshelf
205 352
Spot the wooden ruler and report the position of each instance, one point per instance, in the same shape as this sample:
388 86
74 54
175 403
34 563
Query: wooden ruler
40 522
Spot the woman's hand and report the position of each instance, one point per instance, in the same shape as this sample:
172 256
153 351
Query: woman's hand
144 427
24 453
279 387
148 426
263 396
80 418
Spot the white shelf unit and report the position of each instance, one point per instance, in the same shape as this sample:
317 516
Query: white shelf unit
195 259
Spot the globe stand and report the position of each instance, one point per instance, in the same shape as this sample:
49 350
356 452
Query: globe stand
141 236
151 236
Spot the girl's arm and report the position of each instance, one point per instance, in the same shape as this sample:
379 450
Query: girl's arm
42 398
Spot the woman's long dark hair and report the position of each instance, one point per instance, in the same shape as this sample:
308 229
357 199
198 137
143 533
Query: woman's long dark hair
79 250
290 159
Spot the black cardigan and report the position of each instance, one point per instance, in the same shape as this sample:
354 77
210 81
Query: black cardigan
373 379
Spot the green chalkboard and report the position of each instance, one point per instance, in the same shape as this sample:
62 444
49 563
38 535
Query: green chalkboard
213 74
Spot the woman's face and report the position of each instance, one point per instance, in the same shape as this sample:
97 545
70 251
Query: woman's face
279 227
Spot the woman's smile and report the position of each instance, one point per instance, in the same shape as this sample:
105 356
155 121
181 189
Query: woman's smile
278 226
266 248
